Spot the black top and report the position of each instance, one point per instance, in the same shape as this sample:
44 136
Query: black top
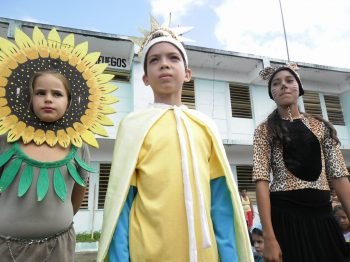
302 154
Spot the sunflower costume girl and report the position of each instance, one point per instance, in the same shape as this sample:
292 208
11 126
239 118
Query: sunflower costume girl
36 196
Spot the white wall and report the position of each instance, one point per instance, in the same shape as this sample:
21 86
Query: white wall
262 104
343 135
90 219
345 103
143 95
123 107
212 100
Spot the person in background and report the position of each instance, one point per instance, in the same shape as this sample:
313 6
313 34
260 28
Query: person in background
334 199
258 243
343 221
247 208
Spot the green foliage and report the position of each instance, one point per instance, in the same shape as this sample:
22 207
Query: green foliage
86 237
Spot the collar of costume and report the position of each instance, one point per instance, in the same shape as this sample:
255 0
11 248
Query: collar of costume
268 74
161 33
166 106
43 182
90 88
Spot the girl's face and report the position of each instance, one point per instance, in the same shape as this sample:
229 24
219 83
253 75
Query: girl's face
342 220
258 242
284 88
50 98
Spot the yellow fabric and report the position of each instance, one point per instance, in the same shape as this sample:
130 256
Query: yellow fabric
131 135
158 224
246 204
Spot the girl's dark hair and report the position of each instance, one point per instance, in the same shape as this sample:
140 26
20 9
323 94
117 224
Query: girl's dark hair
257 231
278 131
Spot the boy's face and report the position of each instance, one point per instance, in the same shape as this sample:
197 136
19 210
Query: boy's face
258 242
166 72
343 220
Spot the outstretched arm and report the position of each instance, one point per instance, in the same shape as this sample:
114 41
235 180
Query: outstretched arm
119 248
223 219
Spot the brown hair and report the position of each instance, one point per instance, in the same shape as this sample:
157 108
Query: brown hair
56 74
278 131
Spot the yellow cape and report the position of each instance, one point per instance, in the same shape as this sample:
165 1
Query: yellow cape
131 133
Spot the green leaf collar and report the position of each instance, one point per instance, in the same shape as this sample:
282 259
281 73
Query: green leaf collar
12 169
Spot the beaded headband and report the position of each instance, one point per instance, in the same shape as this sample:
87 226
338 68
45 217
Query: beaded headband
267 72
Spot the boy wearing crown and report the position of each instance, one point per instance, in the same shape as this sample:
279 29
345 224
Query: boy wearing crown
171 194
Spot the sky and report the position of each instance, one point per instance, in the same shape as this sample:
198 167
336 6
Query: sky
318 31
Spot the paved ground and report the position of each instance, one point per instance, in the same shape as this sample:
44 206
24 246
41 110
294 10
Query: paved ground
85 257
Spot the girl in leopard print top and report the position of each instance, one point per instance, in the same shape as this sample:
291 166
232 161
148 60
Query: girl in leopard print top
299 151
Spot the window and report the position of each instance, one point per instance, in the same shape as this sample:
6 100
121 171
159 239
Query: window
312 103
85 203
334 110
244 178
240 101
105 169
187 96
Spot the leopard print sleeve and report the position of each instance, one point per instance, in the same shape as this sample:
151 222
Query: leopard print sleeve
261 154
334 161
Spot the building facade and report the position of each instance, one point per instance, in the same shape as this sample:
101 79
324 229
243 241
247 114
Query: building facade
225 85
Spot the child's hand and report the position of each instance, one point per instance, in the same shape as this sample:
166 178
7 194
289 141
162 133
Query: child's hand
272 251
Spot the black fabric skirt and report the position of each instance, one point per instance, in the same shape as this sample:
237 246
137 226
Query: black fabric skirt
305 227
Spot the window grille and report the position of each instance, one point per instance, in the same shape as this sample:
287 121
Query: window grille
105 169
85 203
240 101
334 110
312 103
187 96
244 178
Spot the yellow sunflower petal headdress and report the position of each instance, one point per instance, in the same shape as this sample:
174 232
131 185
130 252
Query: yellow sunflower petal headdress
161 33
90 89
